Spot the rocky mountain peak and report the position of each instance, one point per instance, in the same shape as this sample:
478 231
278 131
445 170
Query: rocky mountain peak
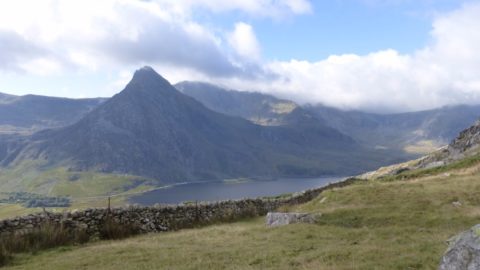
145 71
146 78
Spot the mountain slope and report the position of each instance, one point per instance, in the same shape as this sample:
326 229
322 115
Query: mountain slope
150 129
30 113
462 152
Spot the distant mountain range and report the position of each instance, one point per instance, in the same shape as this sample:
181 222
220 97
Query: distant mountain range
196 131
414 133
417 133
31 113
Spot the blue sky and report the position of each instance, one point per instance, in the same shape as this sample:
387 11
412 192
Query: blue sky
342 26
352 54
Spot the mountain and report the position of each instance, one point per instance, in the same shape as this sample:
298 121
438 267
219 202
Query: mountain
6 98
259 108
150 129
413 132
30 113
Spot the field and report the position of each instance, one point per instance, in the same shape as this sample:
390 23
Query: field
86 189
376 224
36 177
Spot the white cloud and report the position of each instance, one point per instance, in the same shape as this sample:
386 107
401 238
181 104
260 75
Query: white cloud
59 36
263 8
52 36
244 41
447 71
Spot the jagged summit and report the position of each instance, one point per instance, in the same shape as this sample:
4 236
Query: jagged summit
146 72
146 78
146 68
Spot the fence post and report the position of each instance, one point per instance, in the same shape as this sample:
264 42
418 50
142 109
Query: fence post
108 208
196 211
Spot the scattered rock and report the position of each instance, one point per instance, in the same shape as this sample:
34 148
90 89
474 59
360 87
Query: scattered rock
434 164
279 219
463 252
457 204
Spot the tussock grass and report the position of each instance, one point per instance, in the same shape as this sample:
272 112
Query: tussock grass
47 236
114 230
4 256
51 235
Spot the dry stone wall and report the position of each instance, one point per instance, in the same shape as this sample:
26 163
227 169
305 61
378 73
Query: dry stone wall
162 218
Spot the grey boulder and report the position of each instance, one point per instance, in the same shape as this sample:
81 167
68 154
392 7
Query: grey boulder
279 219
463 252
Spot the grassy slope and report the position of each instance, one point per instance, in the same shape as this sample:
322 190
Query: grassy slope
30 176
87 189
369 225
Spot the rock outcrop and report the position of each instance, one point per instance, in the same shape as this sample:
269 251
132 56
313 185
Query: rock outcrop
466 144
275 219
463 252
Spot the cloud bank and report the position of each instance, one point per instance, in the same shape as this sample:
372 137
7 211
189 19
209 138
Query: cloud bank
55 37
445 72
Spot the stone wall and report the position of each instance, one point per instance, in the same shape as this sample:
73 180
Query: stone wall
162 218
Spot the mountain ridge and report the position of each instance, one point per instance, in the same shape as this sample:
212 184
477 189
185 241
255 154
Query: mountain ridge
414 133
30 113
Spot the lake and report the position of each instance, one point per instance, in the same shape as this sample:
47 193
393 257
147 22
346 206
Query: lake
216 191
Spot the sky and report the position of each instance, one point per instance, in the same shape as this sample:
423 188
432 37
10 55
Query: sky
372 55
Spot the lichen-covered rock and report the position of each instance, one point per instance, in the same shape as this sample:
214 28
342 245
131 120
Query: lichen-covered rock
279 219
463 252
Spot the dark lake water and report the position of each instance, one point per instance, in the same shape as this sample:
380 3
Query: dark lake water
215 191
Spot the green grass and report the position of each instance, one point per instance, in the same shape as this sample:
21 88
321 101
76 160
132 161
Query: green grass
12 210
35 177
368 225
86 189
